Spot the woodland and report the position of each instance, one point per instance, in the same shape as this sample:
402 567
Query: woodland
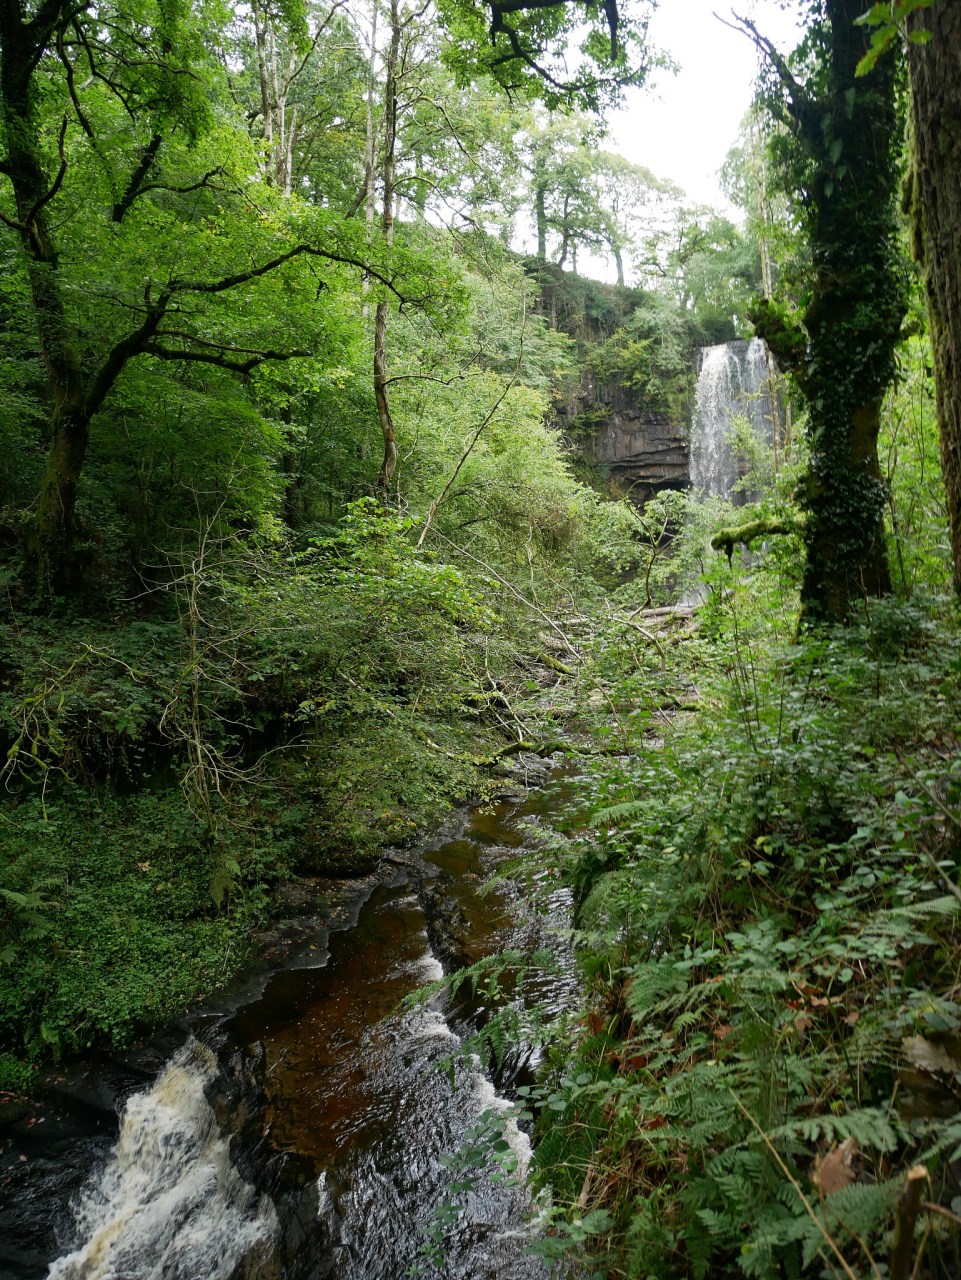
303 540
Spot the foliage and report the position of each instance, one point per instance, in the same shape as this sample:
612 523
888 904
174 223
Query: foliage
917 517
259 712
651 353
888 21
526 46
106 934
768 924
708 264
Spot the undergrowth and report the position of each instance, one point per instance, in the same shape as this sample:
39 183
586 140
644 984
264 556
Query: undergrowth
257 713
767 918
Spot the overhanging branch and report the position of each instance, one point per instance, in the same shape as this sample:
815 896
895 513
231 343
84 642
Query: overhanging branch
244 277
220 358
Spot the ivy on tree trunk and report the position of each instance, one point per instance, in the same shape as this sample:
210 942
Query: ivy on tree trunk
840 159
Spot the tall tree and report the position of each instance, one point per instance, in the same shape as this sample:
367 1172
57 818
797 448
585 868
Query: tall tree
934 60
116 103
632 202
841 163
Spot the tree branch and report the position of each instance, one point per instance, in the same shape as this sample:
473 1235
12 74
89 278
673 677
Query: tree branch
243 277
12 223
799 102
220 359
123 351
72 88
58 180
498 26
136 178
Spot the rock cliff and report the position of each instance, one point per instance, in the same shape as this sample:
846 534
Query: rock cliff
613 426
644 451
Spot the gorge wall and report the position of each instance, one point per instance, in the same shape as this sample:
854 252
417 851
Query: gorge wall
642 451
613 426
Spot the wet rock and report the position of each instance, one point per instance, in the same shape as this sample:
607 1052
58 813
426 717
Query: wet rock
447 925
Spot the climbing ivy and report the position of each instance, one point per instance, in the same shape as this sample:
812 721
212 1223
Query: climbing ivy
838 160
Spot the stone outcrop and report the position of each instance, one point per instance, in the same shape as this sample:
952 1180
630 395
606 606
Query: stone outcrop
644 452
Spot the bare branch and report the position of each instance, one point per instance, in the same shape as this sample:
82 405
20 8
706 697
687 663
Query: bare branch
799 102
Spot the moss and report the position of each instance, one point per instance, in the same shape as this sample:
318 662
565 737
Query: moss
744 534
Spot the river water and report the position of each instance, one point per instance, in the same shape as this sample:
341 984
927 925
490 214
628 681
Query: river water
311 1130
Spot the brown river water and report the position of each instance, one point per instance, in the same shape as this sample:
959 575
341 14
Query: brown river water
307 1130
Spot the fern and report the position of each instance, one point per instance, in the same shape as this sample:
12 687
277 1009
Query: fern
615 812
872 1129
859 1208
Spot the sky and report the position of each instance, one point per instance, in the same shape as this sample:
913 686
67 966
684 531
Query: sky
683 127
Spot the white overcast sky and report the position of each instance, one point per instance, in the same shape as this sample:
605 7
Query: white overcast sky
683 126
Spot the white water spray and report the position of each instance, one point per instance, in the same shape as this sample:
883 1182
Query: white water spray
732 382
169 1204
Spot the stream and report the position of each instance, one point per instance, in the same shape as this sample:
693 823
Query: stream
303 1128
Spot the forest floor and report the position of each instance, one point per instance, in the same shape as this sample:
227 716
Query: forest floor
766 879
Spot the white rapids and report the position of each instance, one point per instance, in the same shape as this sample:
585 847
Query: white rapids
169 1204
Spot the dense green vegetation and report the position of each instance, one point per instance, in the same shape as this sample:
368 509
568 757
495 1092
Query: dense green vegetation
767 919
248 258
289 541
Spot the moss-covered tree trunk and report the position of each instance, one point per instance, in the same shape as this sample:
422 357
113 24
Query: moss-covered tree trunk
845 172
936 104
50 542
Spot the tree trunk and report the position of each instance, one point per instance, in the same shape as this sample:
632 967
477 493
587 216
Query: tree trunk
540 216
935 70
49 545
619 264
266 102
850 135
389 461
383 405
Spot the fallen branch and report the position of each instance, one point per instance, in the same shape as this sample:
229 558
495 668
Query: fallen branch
905 1217
555 664
648 635
667 612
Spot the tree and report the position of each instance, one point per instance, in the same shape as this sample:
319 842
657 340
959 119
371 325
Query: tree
162 255
300 91
935 69
841 164
707 263
632 201
561 172
524 46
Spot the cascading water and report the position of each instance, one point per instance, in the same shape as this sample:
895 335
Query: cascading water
324 1151
169 1203
733 382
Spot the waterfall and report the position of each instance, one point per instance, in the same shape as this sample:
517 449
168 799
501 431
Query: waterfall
732 382
169 1204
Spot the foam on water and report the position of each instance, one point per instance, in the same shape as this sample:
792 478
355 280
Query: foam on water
169 1204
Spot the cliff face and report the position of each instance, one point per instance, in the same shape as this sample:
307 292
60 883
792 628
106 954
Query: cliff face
643 451
612 425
